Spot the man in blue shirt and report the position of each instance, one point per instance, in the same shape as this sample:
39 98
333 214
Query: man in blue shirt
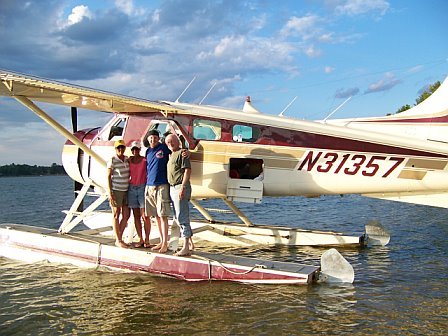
157 191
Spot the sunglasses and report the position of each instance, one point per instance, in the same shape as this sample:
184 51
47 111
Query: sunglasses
121 147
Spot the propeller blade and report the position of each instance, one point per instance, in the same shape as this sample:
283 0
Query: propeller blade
77 185
74 113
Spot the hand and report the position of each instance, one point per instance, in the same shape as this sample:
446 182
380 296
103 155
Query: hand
186 153
112 199
181 192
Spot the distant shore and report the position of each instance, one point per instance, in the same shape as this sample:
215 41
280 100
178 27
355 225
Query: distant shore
27 170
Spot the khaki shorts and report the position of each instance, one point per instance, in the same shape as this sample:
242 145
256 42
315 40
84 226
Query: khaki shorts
121 198
157 200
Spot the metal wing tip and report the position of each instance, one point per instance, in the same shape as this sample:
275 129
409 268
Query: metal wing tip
335 268
377 234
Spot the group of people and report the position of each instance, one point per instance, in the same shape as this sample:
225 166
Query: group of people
149 185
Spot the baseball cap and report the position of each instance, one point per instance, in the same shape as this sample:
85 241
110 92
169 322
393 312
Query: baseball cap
119 143
136 144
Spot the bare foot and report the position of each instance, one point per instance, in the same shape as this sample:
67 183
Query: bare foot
157 247
121 244
163 249
183 253
147 244
139 244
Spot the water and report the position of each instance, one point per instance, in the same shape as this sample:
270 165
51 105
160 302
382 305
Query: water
398 289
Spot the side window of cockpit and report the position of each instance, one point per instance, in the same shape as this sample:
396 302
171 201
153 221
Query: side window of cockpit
243 133
116 131
162 127
206 129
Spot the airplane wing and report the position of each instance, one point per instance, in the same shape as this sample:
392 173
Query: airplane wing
48 91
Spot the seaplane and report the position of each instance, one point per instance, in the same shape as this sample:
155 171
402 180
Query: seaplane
237 156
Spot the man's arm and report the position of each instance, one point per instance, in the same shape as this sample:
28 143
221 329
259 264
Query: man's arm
185 180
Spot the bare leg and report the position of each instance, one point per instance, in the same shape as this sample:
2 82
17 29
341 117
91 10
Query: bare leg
159 226
147 224
164 231
124 219
138 226
116 226
116 222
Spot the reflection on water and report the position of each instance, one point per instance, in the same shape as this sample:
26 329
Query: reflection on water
398 289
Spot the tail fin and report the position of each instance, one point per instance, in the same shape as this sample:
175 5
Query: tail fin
426 121
434 107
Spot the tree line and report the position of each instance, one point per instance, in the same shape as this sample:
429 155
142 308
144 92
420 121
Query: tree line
27 170
425 94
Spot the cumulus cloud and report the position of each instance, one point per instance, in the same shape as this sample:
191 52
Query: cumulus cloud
78 14
385 84
154 52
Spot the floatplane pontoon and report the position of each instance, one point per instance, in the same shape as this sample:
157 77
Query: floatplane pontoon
86 249
237 156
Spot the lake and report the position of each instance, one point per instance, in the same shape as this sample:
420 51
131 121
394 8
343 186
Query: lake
399 289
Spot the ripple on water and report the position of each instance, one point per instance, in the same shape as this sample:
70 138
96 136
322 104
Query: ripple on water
398 289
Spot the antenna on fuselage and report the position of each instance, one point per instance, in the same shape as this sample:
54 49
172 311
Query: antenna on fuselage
191 82
207 93
287 106
337 108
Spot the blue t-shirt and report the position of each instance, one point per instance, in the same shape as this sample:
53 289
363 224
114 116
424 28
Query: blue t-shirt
157 159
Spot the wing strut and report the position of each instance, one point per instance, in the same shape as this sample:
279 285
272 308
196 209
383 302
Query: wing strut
59 128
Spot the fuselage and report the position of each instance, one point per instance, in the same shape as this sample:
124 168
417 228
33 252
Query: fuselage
284 156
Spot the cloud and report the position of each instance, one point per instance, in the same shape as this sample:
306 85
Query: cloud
305 26
328 69
36 138
345 93
415 69
127 7
311 51
384 84
359 7
78 14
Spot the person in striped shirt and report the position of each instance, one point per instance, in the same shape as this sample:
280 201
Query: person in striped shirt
118 184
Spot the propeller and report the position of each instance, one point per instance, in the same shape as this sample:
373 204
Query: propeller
77 185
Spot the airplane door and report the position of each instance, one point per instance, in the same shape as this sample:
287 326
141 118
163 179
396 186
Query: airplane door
245 183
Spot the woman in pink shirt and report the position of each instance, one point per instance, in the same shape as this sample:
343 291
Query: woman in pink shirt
136 193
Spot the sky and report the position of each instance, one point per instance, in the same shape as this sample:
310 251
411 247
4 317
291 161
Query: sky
381 53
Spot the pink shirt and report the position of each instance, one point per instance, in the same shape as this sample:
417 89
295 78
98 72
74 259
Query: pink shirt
138 172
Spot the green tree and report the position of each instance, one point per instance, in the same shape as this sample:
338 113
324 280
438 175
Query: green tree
425 94
27 170
429 91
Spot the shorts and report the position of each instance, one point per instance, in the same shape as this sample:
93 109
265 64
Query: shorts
121 198
136 196
157 200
